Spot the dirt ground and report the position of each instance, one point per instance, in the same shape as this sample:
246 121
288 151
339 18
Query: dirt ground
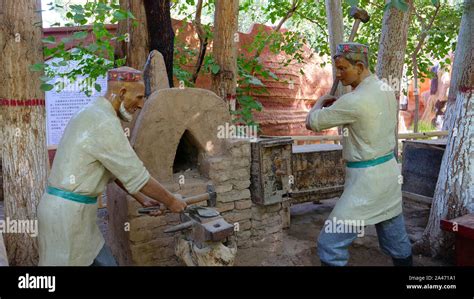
298 247
299 241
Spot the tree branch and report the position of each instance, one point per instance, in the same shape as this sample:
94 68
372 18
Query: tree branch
289 14
312 21
203 39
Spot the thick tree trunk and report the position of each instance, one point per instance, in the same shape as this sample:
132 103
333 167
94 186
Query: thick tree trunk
456 74
136 49
225 48
160 32
22 117
392 47
336 32
455 188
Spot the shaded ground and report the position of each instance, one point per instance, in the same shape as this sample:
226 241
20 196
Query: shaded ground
299 241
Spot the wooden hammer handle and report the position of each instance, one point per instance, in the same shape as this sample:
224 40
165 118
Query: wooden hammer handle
195 199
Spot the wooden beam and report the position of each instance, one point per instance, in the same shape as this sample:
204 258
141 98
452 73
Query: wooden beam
339 137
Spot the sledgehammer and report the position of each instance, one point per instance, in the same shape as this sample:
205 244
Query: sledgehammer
359 15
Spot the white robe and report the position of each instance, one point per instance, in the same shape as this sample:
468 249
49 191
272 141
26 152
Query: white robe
92 151
368 116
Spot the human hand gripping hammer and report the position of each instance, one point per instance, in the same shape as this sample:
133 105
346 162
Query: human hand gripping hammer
210 196
359 15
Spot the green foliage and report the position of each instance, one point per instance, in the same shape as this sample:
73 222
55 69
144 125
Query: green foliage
306 24
441 39
91 61
182 58
424 126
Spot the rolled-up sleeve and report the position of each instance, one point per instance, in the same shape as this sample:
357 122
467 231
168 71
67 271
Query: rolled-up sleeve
344 111
112 148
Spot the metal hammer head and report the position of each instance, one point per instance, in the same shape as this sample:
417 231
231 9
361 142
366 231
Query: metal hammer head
211 202
360 14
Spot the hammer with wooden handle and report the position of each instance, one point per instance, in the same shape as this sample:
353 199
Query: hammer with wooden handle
359 15
210 196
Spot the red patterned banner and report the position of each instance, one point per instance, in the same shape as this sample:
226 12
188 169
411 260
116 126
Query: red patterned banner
29 102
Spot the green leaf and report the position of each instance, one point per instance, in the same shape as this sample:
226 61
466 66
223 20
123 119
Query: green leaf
92 47
120 15
273 75
45 78
46 87
353 2
255 81
49 40
67 40
400 5
80 35
37 67
215 69
98 87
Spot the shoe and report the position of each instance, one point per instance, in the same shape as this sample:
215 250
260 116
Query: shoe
323 264
405 262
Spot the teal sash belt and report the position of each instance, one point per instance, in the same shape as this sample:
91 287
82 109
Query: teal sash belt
368 163
71 195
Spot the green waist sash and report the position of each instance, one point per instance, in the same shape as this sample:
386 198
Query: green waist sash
71 195
369 163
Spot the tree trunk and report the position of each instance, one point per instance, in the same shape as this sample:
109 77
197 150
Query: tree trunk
225 48
456 74
336 33
160 32
136 49
392 47
23 122
454 189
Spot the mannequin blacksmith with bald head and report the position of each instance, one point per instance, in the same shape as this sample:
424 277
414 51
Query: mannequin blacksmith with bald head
94 150
372 190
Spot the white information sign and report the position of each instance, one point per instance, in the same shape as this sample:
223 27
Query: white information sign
61 106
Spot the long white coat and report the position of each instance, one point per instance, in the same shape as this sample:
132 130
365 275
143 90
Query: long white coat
92 151
368 116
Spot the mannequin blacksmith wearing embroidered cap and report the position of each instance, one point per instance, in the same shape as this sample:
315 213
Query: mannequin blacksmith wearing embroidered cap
372 191
93 151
